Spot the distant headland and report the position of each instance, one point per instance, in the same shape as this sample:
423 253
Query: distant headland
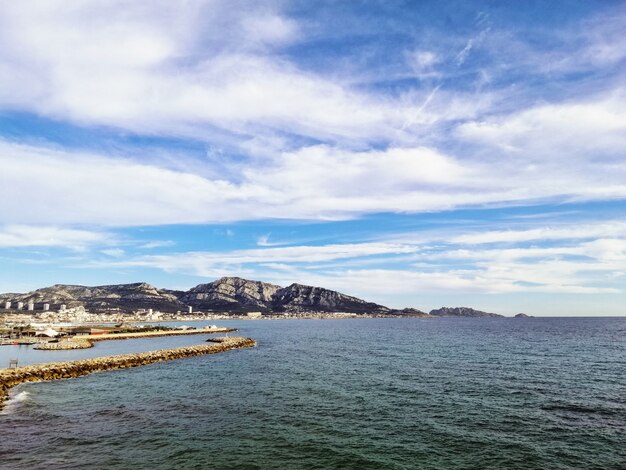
225 297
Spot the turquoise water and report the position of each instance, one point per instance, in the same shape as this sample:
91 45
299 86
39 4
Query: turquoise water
413 393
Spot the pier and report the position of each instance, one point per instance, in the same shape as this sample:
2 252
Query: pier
69 369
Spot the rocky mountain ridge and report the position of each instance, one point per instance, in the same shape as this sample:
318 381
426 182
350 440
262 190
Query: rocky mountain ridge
228 294
225 295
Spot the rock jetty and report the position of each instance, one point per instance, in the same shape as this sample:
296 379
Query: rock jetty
65 344
69 369
84 342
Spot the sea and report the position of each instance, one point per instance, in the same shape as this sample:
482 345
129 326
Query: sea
447 393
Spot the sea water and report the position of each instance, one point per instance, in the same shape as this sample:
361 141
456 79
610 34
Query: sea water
495 393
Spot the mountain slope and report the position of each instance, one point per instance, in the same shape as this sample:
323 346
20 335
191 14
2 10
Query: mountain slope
232 294
298 298
228 294
225 295
125 297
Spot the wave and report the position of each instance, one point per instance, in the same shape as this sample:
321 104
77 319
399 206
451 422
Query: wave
14 402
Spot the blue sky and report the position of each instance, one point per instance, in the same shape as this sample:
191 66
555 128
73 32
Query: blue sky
411 153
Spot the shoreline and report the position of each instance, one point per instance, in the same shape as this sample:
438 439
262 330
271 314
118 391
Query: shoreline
9 378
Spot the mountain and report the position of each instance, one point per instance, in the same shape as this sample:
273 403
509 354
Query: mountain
125 297
461 312
298 298
225 295
232 294
228 294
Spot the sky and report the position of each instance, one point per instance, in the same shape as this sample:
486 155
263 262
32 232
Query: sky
411 153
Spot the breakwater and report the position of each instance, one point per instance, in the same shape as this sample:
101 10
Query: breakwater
65 344
69 369
153 334
84 342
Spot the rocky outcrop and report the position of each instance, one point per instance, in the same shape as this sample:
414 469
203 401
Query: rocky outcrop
65 370
409 312
461 312
232 294
523 315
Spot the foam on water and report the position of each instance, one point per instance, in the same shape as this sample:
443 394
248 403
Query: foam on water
16 398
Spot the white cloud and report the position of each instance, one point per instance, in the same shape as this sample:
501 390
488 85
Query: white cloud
379 282
113 252
292 254
208 70
568 232
264 240
157 244
583 266
40 185
19 236
423 64
180 68
577 130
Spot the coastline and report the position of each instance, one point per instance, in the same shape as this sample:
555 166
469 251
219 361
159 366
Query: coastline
9 378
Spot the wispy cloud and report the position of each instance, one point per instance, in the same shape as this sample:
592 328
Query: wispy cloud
185 69
20 236
157 244
582 263
568 232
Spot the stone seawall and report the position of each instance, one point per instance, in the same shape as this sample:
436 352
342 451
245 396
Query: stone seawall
65 370
154 334
86 341
65 345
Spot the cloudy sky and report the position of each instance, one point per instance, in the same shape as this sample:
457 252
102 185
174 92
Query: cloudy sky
411 153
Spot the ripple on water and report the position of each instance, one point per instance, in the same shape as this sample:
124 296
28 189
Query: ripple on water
446 393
